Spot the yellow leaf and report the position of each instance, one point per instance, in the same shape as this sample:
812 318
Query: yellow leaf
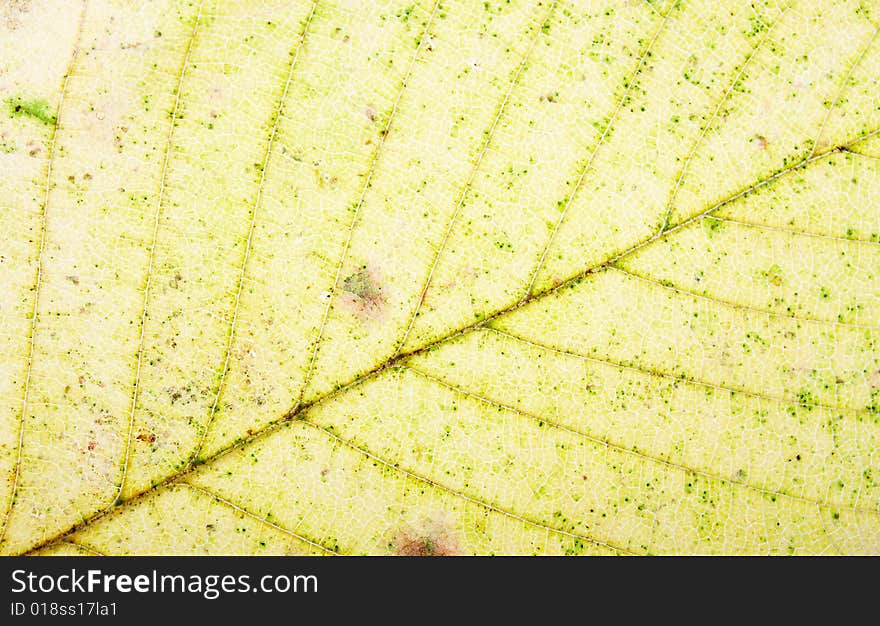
437 278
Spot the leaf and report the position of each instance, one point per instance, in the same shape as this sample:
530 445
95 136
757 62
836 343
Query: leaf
433 277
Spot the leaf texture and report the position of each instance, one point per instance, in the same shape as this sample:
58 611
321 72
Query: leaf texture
440 277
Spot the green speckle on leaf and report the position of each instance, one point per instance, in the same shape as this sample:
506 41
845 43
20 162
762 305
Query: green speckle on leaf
536 278
36 108
711 226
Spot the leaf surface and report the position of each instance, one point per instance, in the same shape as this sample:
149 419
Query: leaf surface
433 277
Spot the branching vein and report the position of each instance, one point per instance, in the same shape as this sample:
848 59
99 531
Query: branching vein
736 306
470 178
298 411
652 372
630 451
366 186
589 164
459 494
241 276
38 280
157 218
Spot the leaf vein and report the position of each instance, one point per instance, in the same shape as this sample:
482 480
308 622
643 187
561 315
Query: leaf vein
673 377
794 231
843 85
470 178
588 165
298 409
459 494
360 202
265 522
83 547
693 151
265 164
157 217
631 451
38 279
734 305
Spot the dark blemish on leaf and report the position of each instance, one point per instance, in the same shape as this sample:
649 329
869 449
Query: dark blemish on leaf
711 226
370 112
147 437
36 108
92 445
433 539
420 546
806 398
762 142
174 283
404 15
362 293
73 279
324 180
774 276
185 395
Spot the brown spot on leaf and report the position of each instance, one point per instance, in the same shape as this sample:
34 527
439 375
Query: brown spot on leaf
432 538
363 294
147 437
370 112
